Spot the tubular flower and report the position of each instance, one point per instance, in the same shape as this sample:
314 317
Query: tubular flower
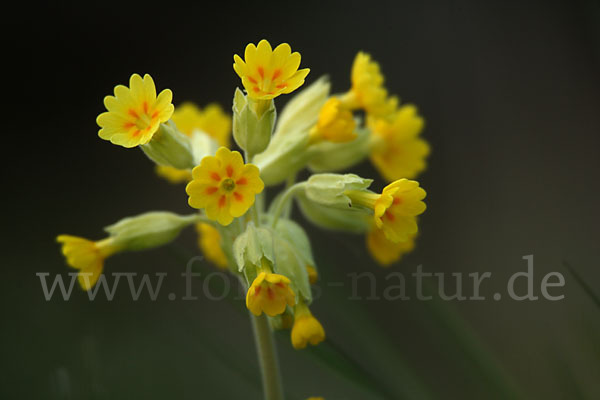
267 73
383 250
86 256
224 186
335 123
212 120
397 150
135 113
367 90
269 293
209 241
395 209
306 329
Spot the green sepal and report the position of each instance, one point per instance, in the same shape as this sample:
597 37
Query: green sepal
148 230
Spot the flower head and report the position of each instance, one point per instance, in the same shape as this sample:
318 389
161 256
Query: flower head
367 90
306 329
397 150
335 123
212 121
86 256
209 241
224 186
270 293
383 250
135 112
267 73
395 209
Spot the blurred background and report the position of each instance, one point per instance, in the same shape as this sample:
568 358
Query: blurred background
510 95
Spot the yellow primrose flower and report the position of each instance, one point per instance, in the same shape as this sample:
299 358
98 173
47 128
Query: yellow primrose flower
367 90
335 123
86 256
395 209
135 112
383 250
397 151
172 174
209 241
313 276
267 73
270 293
316 398
224 186
306 329
212 121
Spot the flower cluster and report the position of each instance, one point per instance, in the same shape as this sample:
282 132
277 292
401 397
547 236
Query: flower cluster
237 231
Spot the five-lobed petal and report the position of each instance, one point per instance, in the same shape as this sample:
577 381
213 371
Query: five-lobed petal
224 186
267 73
135 112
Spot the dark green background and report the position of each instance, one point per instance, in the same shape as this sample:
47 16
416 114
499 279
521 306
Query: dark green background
510 94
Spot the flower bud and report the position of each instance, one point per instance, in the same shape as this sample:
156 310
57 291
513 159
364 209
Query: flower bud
170 147
148 230
252 128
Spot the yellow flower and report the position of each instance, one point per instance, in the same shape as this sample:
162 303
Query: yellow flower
224 186
395 209
306 329
270 293
86 256
383 250
267 73
173 174
367 90
313 276
209 241
397 150
135 113
212 121
316 398
335 123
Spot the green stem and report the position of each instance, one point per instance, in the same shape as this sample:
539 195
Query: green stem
267 357
287 196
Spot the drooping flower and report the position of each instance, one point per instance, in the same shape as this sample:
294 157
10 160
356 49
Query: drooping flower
395 209
209 241
306 329
135 112
313 275
270 293
383 250
87 256
212 120
267 73
335 123
368 91
224 186
396 148
173 175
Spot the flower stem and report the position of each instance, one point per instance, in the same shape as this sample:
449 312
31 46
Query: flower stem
287 196
267 357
